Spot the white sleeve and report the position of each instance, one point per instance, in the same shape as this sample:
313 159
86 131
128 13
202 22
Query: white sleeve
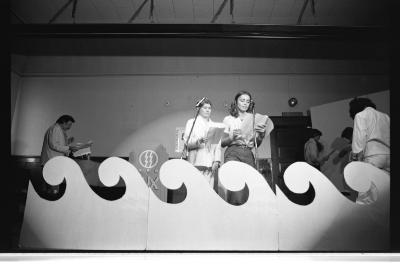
227 124
189 124
359 134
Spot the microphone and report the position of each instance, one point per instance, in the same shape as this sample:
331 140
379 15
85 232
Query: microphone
252 103
200 101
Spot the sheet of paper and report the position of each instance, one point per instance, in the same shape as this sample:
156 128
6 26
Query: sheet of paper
247 125
260 119
214 134
82 145
82 152
78 144
269 127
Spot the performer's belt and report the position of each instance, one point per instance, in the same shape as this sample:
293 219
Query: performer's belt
242 146
83 157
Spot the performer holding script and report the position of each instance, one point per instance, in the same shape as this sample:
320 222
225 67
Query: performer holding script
241 136
244 131
204 141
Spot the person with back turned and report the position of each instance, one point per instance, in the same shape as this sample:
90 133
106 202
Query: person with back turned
371 140
371 134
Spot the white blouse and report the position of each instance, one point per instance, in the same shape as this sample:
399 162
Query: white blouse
206 154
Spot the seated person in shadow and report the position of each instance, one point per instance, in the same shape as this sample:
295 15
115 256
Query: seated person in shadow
334 167
313 150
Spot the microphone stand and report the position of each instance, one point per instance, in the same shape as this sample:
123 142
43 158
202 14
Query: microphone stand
255 138
185 145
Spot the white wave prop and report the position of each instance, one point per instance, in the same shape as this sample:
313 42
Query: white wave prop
139 220
204 221
331 221
81 219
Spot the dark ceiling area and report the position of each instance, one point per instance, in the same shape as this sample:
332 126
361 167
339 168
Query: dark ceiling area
327 29
203 40
345 13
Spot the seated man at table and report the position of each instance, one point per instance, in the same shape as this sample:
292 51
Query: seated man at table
56 141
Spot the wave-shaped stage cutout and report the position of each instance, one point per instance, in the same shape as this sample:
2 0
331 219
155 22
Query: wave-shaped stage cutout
80 219
91 175
331 221
139 220
111 190
48 191
204 221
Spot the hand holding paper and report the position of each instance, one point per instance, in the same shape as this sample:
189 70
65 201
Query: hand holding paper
263 119
237 134
260 128
202 140
82 149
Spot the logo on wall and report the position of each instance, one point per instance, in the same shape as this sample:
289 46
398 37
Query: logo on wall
148 159
148 162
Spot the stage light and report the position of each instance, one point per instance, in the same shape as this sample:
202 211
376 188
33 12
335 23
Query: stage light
292 102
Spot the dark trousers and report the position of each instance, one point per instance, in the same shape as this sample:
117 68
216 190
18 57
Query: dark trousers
239 153
245 155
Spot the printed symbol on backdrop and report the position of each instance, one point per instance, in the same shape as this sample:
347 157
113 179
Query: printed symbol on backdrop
152 183
148 159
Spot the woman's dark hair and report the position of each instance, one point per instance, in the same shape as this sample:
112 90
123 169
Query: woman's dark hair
347 133
313 133
233 111
65 119
205 101
359 104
